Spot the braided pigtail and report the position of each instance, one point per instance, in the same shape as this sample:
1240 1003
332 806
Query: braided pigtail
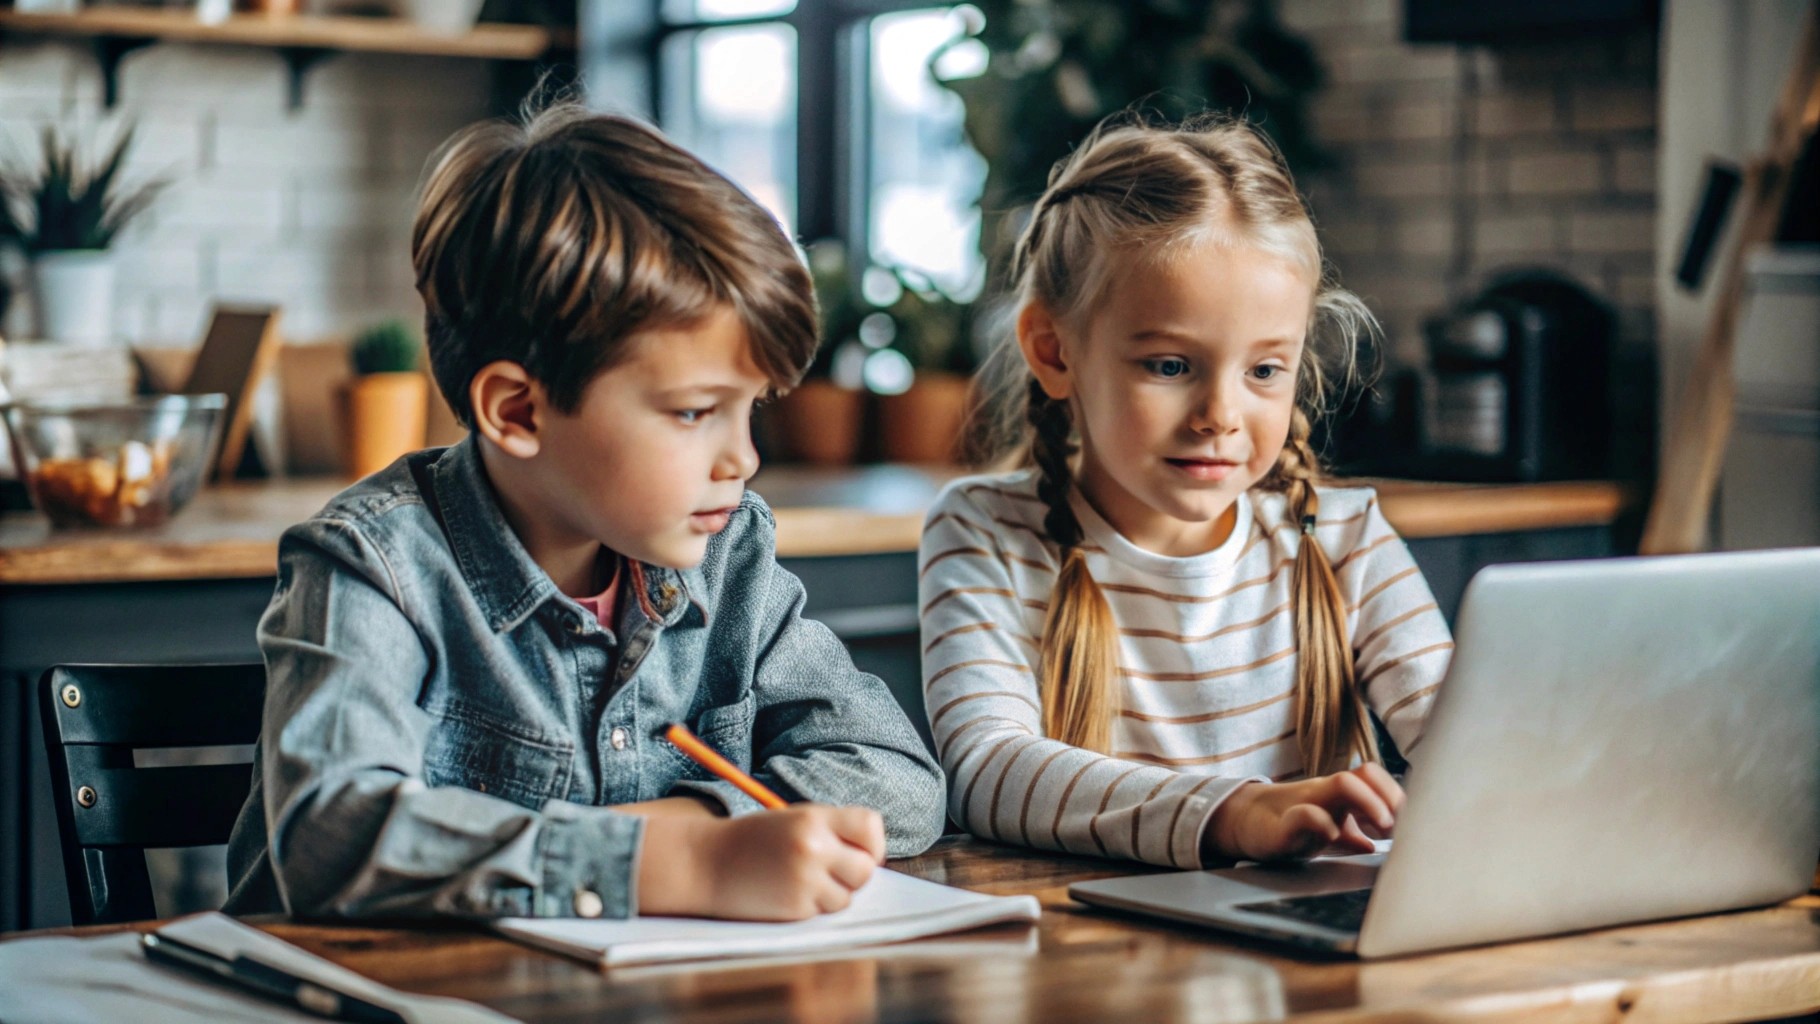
1331 721
1080 638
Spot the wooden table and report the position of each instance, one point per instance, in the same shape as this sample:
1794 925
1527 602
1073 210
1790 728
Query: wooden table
1089 965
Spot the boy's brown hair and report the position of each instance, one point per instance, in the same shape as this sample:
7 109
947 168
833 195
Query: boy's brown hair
549 241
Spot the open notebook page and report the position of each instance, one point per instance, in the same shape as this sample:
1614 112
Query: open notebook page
892 907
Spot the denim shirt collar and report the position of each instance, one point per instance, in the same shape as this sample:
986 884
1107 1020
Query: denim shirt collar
499 571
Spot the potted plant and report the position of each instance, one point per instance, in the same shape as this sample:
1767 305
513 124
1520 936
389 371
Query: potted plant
385 405
932 330
443 17
819 420
66 217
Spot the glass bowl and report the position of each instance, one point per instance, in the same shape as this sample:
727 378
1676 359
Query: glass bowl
128 463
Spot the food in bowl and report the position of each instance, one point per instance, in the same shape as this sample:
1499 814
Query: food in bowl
126 490
132 463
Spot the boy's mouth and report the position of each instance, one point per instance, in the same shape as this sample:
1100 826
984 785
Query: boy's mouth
1204 469
711 521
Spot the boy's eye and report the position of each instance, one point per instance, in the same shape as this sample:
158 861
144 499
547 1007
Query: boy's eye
692 416
1167 368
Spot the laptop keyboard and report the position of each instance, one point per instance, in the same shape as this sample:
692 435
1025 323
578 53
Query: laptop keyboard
1341 911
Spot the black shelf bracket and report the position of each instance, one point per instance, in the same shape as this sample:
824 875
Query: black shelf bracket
299 60
109 51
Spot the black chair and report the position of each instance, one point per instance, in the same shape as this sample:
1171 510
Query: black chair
110 812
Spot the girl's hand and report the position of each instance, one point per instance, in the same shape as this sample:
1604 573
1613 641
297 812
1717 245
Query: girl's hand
1296 820
776 866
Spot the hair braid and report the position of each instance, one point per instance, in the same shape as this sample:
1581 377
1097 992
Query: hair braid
1331 721
1080 638
1051 445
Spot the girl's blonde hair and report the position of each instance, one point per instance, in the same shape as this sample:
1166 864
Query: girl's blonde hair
1150 191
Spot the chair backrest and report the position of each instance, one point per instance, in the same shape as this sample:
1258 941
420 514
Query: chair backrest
110 812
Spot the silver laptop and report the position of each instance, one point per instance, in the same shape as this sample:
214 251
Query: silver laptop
1617 740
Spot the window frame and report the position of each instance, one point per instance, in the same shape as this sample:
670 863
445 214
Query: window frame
833 107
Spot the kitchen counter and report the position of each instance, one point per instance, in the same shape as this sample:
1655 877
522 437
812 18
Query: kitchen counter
232 531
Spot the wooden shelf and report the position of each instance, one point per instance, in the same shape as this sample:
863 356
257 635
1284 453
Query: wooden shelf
374 35
301 39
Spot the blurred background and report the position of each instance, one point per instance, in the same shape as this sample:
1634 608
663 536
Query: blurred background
214 198
1507 189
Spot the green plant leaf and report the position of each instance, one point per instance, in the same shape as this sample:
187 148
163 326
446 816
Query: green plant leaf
68 209
389 347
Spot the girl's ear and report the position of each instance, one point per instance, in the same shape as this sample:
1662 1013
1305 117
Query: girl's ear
1041 342
509 407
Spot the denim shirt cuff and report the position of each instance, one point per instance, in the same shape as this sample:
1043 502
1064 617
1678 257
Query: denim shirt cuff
730 797
589 850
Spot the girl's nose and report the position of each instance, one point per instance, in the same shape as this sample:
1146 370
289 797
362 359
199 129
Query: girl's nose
1216 412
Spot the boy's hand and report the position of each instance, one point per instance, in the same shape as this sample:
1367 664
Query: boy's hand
1296 820
776 866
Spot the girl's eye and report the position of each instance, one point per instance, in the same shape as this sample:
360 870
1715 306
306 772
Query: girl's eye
1168 369
1267 372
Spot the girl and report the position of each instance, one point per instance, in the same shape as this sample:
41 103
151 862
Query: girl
1158 643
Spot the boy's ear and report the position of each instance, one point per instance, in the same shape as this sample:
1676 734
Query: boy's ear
509 407
1041 342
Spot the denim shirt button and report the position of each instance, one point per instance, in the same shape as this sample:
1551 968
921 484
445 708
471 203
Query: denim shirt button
577 626
620 739
588 903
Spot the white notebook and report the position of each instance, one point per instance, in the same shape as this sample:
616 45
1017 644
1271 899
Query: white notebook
892 907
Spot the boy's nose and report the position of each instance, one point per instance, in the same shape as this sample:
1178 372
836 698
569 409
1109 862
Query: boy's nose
740 460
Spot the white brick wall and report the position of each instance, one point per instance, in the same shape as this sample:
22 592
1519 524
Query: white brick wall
1558 170
1516 113
1558 162
1549 148
310 208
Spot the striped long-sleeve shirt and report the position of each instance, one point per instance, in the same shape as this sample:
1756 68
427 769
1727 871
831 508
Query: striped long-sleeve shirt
1207 664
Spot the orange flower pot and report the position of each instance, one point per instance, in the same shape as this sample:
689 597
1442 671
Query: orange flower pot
924 424
819 423
382 417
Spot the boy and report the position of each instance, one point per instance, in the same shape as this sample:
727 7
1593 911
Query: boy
469 653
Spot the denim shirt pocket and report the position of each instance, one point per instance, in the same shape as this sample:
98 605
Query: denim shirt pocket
475 750
728 729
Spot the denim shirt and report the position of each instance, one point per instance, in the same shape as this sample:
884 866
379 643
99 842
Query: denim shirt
443 727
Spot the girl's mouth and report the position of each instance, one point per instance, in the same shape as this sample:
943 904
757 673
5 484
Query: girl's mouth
1212 470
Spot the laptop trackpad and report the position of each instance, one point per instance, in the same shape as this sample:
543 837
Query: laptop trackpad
1202 891
1327 874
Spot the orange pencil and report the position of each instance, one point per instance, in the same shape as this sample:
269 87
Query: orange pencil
686 741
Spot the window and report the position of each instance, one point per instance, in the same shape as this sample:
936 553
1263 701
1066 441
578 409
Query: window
825 111
924 179
730 96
